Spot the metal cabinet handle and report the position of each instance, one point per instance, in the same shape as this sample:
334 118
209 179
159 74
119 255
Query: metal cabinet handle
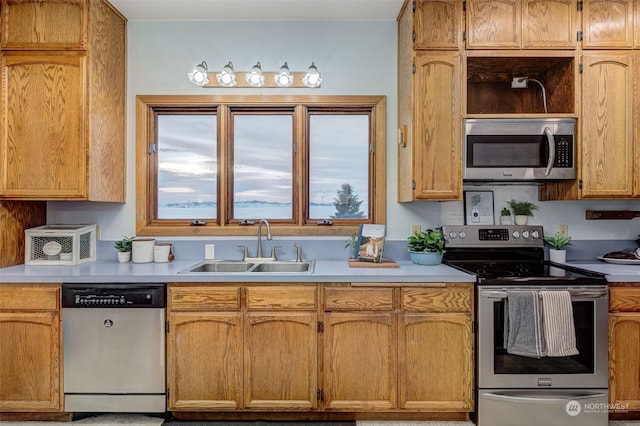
552 150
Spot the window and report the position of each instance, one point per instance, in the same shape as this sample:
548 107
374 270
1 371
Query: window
212 165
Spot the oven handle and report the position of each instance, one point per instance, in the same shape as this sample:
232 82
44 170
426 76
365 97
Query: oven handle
500 397
589 294
552 150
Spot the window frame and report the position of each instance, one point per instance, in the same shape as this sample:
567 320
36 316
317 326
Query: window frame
146 213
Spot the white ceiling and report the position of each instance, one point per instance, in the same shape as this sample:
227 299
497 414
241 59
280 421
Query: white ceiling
259 9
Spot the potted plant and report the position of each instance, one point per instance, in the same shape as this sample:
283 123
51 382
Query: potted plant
351 245
124 248
522 210
505 216
557 243
427 247
66 252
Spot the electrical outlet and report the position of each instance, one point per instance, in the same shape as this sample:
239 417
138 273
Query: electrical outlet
563 230
415 228
519 83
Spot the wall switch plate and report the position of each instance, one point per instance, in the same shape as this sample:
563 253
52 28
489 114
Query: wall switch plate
563 230
415 228
209 251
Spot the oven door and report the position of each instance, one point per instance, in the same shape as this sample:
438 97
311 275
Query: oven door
498 369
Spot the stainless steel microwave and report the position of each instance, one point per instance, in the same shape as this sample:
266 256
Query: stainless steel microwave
519 149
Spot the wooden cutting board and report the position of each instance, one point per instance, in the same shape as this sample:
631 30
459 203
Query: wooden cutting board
386 263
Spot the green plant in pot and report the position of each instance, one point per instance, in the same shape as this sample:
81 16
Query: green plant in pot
522 210
124 248
66 252
427 247
557 243
505 216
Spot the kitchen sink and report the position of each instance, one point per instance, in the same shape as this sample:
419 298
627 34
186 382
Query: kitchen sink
235 266
217 266
283 267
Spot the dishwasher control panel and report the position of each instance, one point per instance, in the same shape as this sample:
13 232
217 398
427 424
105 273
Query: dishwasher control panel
113 295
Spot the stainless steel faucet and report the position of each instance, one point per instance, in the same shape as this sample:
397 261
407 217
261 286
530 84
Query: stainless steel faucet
259 250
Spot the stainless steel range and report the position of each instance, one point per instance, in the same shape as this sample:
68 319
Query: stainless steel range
542 330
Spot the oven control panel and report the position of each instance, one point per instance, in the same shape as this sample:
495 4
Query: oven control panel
493 236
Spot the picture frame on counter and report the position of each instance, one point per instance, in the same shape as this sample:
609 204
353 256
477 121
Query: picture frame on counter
478 208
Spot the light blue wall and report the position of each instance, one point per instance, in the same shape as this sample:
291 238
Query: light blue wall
355 58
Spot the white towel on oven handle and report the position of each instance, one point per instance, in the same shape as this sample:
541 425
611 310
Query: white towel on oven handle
559 328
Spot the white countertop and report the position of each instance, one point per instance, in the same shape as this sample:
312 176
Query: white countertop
614 272
324 271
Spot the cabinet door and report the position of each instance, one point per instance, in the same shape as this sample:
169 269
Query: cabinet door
42 145
360 370
281 361
30 377
435 354
204 359
550 24
624 359
437 24
608 24
493 24
43 25
437 139
607 126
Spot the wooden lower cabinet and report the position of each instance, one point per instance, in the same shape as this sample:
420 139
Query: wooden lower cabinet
31 354
435 354
360 361
323 348
403 348
624 348
242 347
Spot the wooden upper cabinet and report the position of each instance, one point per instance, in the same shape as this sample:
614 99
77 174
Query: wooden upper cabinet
609 24
522 24
494 24
437 24
549 24
63 112
44 25
43 143
437 139
636 42
608 120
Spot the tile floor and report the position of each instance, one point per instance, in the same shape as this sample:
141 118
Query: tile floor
135 419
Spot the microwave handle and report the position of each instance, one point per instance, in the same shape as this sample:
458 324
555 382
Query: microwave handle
552 150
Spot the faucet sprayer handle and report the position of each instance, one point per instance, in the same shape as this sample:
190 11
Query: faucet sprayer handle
298 252
245 252
274 255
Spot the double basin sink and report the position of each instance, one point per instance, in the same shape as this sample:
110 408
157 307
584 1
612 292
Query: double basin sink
239 266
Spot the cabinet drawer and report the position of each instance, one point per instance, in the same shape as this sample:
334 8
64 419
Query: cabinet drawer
209 298
358 299
17 297
278 298
624 299
443 299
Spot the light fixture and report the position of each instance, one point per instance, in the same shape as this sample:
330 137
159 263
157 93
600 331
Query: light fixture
312 78
255 77
200 74
283 77
227 78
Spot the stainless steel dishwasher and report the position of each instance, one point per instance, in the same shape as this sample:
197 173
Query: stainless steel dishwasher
114 347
